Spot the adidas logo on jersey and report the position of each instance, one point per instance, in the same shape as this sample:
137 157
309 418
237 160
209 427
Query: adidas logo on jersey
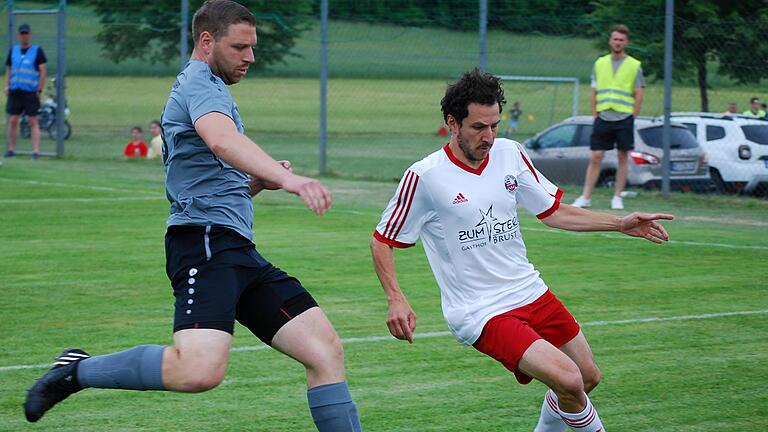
460 199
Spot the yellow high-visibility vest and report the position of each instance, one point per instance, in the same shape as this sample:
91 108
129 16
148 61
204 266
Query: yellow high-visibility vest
760 113
616 91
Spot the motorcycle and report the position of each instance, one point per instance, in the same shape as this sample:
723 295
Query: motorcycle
46 116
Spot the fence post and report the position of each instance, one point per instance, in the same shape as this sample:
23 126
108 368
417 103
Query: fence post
323 81
483 34
61 76
667 131
183 40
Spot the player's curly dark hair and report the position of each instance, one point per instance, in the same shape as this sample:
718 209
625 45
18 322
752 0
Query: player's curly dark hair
473 87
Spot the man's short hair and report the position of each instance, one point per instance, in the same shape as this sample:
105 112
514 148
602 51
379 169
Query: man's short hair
473 87
620 28
215 17
754 99
136 129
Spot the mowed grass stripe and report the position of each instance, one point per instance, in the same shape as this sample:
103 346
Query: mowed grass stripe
426 335
36 201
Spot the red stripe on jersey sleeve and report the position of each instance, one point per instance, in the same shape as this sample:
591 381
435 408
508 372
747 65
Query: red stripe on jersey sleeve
554 207
530 167
400 203
407 208
393 243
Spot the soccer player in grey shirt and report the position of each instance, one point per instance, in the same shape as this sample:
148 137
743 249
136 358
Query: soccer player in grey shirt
212 171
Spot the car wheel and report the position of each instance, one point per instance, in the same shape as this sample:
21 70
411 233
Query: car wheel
720 186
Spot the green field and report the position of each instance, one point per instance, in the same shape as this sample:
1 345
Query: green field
81 259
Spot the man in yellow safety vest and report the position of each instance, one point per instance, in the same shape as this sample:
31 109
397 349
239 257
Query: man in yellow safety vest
617 94
755 108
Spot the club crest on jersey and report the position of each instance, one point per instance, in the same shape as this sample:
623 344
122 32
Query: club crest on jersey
510 182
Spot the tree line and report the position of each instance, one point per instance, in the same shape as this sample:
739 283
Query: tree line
729 36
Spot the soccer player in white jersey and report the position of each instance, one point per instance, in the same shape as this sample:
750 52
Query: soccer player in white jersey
462 202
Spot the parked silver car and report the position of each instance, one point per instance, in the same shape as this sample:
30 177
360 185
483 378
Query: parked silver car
561 152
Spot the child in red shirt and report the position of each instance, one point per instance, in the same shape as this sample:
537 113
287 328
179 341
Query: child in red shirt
136 148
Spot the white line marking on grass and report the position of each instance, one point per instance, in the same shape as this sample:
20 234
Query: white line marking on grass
366 339
623 237
63 185
77 200
359 213
674 318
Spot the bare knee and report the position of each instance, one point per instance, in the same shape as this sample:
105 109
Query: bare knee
596 159
200 383
188 374
328 359
591 379
569 385
198 379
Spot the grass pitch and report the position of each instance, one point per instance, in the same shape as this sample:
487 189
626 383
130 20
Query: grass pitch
81 259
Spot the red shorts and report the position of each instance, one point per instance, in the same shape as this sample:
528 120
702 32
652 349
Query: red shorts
507 336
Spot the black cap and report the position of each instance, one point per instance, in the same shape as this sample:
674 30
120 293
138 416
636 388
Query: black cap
25 28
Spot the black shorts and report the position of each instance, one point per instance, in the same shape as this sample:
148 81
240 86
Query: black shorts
218 276
607 135
21 102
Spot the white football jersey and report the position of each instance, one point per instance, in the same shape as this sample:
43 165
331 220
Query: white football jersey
467 221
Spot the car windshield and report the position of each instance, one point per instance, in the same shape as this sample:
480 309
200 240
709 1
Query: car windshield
756 133
682 138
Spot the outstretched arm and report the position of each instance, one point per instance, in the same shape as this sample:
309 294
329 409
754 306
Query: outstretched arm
256 185
641 225
401 319
221 135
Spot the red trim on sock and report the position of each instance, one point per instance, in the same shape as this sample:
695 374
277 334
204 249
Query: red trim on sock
584 421
552 404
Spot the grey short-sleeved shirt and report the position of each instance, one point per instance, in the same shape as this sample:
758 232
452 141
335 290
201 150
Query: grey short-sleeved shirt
202 189
611 115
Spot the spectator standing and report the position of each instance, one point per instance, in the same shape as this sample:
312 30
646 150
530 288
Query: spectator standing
732 109
617 94
24 83
755 108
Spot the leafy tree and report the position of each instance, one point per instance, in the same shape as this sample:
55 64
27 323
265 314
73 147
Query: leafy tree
728 35
149 30
520 16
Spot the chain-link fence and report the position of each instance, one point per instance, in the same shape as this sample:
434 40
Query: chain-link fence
389 63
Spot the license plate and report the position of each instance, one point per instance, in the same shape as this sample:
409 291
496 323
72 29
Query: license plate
683 166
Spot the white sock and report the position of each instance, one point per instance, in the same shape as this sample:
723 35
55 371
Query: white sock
585 421
550 419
